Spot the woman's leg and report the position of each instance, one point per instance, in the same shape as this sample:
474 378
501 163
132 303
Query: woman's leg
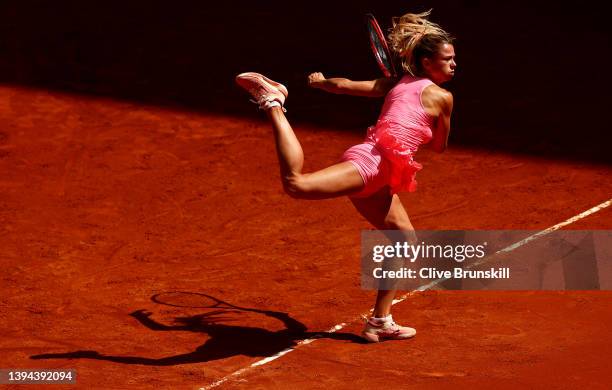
382 210
385 212
336 180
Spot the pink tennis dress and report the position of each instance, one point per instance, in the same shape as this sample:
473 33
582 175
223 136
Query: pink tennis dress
385 158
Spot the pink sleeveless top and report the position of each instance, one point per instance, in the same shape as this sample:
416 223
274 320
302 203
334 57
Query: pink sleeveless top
403 125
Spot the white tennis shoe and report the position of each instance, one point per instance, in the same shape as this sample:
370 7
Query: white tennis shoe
385 329
266 93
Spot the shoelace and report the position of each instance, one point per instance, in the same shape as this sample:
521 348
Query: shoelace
392 329
396 328
263 100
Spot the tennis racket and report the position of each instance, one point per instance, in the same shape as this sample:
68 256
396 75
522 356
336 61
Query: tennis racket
379 46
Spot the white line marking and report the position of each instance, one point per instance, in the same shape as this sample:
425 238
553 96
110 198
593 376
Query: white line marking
270 358
526 240
406 296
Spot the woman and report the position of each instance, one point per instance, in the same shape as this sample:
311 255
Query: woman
416 111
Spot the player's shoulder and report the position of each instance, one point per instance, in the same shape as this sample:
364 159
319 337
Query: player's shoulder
438 93
440 96
385 84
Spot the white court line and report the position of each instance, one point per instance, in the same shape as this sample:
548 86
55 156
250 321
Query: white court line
405 296
270 358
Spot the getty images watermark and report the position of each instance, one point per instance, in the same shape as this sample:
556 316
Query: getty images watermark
492 260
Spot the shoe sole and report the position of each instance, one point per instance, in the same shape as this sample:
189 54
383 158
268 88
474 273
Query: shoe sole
273 83
370 337
373 338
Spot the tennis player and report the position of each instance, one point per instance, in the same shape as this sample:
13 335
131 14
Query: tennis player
416 111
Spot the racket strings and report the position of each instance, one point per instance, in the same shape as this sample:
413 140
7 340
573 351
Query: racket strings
381 50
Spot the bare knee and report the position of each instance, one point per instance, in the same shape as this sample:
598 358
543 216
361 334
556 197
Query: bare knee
403 225
398 222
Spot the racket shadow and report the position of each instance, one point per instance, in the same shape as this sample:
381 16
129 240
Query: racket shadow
225 340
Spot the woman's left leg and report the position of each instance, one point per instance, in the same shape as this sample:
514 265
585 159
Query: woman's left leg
386 212
336 180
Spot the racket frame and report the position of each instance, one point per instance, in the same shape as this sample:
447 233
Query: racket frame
374 27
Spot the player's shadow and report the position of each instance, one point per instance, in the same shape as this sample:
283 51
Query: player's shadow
225 340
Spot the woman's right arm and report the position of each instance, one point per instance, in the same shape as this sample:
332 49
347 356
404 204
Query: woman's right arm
370 88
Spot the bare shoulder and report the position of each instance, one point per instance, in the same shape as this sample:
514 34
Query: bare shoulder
437 100
438 94
384 85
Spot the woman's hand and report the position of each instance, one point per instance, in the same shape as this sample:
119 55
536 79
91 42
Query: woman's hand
316 79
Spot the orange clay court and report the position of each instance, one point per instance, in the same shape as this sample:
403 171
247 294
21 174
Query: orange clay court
115 192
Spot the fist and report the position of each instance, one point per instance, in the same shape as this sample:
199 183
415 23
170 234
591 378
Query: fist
315 78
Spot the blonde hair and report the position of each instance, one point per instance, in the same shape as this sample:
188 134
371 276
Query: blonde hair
413 37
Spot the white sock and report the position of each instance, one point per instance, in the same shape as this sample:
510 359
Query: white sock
383 319
269 105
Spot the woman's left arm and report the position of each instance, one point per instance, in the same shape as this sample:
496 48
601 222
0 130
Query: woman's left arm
369 88
442 124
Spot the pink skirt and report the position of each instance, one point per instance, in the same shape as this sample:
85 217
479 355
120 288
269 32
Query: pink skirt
383 161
